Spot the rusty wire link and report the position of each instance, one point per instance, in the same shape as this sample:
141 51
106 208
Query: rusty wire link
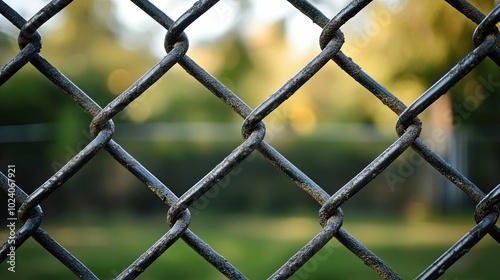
30 224
476 16
486 207
290 87
30 28
330 215
442 86
28 51
31 228
369 172
66 172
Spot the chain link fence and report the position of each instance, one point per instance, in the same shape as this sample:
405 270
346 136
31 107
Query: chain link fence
253 130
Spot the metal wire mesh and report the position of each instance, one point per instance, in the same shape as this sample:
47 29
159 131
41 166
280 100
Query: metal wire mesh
408 128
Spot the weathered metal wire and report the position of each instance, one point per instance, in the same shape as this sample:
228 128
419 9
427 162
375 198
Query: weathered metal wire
331 217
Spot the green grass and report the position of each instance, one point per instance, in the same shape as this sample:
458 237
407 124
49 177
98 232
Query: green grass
257 246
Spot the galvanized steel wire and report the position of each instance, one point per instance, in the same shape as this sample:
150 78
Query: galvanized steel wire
253 130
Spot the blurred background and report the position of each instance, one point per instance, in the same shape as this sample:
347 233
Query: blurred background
330 129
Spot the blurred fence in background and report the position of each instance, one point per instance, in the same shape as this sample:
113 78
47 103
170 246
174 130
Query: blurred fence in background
253 130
